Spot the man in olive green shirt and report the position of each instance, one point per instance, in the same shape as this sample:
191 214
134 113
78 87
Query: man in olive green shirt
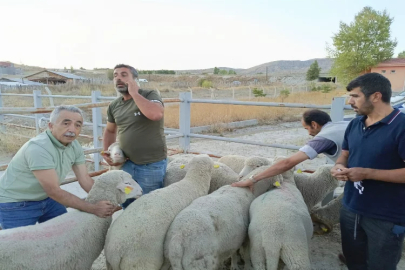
136 118
30 187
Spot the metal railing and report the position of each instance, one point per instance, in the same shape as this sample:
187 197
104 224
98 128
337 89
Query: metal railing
184 133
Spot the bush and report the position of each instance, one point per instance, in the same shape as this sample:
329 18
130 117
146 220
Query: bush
206 84
284 94
258 92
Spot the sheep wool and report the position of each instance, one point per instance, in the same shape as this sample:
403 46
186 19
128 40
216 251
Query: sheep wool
135 240
235 162
212 228
280 227
71 241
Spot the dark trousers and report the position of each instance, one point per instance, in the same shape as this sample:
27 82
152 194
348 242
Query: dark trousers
370 244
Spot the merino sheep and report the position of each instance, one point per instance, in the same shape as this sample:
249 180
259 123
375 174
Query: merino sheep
252 163
71 241
212 228
280 227
235 162
324 217
221 174
116 154
135 240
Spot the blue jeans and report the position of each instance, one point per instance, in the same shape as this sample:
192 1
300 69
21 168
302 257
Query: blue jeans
149 176
370 244
19 214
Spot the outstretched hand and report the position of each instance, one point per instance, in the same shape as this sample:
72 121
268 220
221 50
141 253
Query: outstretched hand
245 183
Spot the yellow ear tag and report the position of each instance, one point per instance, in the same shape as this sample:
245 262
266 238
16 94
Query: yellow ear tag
324 228
102 152
128 189
277 184
182 166
216 166
299 171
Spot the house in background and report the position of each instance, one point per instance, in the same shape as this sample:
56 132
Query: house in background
393 70
18 82
56 77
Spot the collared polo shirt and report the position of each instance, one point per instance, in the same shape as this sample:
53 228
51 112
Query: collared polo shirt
40 153
379 146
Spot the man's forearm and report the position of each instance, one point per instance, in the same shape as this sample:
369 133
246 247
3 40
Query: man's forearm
70 200
392 176
87 183
108 138
276 169
152 110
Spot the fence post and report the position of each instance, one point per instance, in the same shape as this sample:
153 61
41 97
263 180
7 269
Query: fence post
2 127
97 129
337 111
184 121
37 104
233 93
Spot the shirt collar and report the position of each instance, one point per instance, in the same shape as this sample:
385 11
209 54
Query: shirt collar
386 120
55 141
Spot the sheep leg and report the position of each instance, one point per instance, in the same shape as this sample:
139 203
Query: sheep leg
295 254
257 253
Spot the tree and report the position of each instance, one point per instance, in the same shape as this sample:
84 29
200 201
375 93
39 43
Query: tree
232 72
223 72
110 74
401 54
362 44
313 71
216 70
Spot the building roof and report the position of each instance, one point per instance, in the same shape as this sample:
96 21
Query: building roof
394 62
18 81
63 74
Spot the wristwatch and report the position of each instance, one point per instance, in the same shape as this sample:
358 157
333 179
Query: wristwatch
252 178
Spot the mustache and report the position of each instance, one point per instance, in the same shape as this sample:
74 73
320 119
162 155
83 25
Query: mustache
70 134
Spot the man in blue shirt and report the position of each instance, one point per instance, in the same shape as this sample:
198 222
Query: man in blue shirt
372 218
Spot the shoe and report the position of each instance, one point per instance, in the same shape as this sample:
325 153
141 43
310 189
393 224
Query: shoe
342 258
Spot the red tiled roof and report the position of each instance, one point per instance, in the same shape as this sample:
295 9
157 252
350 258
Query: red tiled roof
395 62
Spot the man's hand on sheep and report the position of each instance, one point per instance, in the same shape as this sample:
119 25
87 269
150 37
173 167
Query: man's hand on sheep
107 157
102 209
340 172
245 183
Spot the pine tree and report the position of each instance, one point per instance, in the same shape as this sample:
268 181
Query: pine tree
313 71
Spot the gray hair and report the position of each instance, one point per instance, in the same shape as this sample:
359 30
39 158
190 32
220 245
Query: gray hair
56 112
132 69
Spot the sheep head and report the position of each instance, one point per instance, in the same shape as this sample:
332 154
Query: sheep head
253 163
114 186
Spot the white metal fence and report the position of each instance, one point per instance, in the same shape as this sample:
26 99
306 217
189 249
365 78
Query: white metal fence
184 133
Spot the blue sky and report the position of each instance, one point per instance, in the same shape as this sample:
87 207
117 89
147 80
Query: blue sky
176 34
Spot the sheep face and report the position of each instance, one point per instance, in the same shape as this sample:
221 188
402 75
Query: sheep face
125 186
116 153
253 163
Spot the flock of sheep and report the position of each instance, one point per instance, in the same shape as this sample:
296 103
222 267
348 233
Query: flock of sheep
197 221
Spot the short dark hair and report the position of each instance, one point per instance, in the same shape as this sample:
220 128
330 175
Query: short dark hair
317 116
371 83
132 69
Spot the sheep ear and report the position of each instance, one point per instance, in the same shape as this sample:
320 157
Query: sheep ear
125 188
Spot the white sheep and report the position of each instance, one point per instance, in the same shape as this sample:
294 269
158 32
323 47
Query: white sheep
116 154
252 163
71 241
221 174
235 162
313 187
135 240
212 228
280 227
324 217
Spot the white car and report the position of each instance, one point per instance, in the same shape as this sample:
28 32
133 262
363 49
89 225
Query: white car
143 80
400 98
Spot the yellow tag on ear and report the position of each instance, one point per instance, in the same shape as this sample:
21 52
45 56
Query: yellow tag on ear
299 171
102 152
276 184
128 189
216 166
182 166
324 229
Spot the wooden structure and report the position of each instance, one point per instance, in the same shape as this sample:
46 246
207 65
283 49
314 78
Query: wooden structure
55 77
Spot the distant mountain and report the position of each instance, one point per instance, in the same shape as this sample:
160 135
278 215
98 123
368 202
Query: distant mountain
275 67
